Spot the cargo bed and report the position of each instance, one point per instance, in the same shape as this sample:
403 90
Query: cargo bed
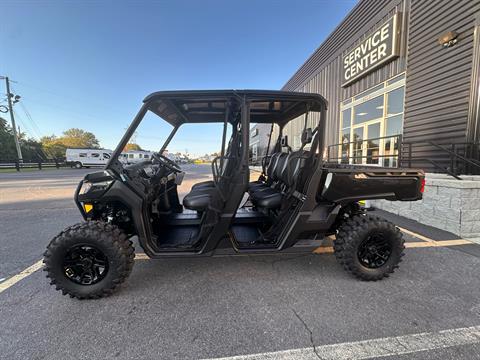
347 183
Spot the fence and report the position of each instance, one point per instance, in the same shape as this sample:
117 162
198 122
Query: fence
380 151
31 164
454 159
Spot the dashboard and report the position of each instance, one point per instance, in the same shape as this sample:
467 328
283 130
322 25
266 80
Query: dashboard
152 177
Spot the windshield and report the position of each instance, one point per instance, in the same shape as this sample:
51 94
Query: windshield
190 143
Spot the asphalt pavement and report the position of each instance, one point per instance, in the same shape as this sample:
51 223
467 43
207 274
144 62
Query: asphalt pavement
277 306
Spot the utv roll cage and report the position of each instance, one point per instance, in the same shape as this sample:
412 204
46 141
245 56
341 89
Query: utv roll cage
238 108
222 106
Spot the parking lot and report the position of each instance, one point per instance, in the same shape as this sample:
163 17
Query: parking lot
269 307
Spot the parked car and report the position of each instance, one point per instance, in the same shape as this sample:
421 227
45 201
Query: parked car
79 158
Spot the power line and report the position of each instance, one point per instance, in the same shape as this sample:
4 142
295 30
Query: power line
26 128
29 117
61 95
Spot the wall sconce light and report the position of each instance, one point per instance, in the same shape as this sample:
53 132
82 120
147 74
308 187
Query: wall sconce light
448 39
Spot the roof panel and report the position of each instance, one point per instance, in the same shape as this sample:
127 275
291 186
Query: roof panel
199 106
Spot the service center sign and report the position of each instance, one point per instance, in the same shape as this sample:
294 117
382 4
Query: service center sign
377 49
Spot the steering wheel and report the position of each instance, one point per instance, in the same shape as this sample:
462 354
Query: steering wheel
169 164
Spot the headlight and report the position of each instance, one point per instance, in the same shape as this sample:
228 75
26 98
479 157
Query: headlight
97 186
85 187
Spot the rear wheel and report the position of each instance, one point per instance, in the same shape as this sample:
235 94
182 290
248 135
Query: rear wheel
89 260
78 165
369 247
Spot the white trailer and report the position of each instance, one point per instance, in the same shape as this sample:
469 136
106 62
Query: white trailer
79 158
134 156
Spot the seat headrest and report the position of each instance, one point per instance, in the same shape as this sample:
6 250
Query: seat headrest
307 136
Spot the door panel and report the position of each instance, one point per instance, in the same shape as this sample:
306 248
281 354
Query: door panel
358 144
373 146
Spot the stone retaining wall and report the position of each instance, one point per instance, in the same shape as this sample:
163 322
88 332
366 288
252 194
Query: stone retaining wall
448 204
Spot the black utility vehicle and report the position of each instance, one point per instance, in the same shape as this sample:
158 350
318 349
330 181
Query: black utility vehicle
297 200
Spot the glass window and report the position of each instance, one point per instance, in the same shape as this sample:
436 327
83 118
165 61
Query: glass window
368 92
346 118
146 156
358 145
369 129
396 79
95 155
130 156
347 101
345 147
106 156
369 110
82 155
373 143
395 101
394 125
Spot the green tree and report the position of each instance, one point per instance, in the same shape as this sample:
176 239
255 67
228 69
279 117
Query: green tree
78 138
31 149
7 143
53 146
132 146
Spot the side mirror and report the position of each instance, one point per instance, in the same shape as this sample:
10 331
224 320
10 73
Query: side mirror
307 136
284 141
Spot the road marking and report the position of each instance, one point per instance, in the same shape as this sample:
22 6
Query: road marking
368 349
442 243
323 250
434 242
16 278
414 234
427 242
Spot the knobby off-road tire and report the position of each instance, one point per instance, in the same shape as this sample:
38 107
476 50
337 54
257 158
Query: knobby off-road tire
106 241
357 235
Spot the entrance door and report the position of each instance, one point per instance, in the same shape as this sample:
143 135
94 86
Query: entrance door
366 143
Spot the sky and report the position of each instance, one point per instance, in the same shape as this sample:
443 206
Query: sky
89 64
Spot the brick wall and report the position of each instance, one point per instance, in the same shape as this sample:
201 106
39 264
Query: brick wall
448 204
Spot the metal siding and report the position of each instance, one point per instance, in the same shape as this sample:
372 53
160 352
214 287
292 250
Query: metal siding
438 79
321 73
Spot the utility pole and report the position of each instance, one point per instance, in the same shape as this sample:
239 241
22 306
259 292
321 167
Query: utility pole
12 118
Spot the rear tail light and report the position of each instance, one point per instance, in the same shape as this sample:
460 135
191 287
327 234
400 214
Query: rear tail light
422 186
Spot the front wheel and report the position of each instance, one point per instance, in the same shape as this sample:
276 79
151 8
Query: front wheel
89 260
369 247
78 165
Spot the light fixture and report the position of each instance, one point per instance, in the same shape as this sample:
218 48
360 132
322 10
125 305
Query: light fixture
448 39
362 114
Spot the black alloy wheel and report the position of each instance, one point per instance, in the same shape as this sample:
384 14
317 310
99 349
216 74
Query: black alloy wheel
374 251
85 265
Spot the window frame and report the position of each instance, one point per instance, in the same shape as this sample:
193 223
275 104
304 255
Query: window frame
382 89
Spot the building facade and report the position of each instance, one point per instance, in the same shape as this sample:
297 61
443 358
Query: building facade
259 136
402 79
